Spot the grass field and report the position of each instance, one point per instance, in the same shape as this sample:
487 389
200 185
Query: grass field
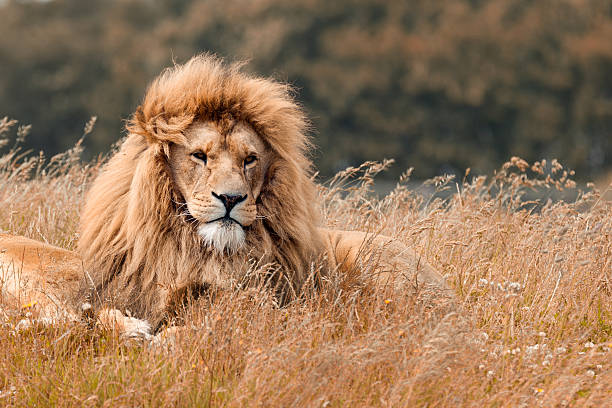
533 326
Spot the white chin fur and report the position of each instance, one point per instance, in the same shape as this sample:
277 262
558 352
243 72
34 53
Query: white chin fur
222 235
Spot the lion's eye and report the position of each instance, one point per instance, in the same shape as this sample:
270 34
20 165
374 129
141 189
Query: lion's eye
249 160
200 156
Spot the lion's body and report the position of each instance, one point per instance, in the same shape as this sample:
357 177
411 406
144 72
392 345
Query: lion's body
47 277
212 179
38 275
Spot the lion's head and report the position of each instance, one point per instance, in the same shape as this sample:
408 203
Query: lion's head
220 173
213 174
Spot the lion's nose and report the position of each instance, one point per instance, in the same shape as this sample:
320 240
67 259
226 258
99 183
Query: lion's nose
229 200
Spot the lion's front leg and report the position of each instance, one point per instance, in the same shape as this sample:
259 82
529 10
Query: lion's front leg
175 302
126 326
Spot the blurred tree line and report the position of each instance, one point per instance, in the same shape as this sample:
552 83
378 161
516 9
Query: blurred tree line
440 85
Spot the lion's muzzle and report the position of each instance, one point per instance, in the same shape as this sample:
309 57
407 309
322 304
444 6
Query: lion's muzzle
229 200
226 231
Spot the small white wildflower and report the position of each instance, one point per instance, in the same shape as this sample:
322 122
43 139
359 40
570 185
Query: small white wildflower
546 363
12 390
500 287
560 350
485 336
483 282
515 287
581 353
490 374
588 344
47 321
598 366
590 373
516 351
481 367
532 349
23 325
542 334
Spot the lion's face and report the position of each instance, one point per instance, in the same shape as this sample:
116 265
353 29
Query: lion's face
220 173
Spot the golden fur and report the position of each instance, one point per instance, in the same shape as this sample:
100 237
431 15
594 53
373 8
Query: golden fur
140 249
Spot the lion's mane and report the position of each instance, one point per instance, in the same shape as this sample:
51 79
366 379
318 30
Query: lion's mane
136 247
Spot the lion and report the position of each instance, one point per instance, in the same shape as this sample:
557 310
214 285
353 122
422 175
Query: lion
213 177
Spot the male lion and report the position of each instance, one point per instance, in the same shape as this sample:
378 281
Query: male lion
213 177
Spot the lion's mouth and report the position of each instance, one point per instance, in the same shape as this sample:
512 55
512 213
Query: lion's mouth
225 221
224 234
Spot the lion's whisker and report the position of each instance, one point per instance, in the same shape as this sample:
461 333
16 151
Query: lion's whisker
182 214
179 204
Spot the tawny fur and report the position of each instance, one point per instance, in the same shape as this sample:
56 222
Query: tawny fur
37 276
138 252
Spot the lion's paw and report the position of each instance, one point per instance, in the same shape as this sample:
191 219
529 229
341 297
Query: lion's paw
166 339
127 327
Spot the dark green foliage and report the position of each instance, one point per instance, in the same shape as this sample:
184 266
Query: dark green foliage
439 85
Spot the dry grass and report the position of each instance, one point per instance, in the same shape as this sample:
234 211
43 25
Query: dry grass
533 281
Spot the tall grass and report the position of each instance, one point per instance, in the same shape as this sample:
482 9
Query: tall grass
533 326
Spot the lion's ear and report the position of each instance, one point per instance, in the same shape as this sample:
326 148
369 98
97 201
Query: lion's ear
159 127
171 130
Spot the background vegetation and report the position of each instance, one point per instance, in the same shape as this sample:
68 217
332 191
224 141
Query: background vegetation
439 85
